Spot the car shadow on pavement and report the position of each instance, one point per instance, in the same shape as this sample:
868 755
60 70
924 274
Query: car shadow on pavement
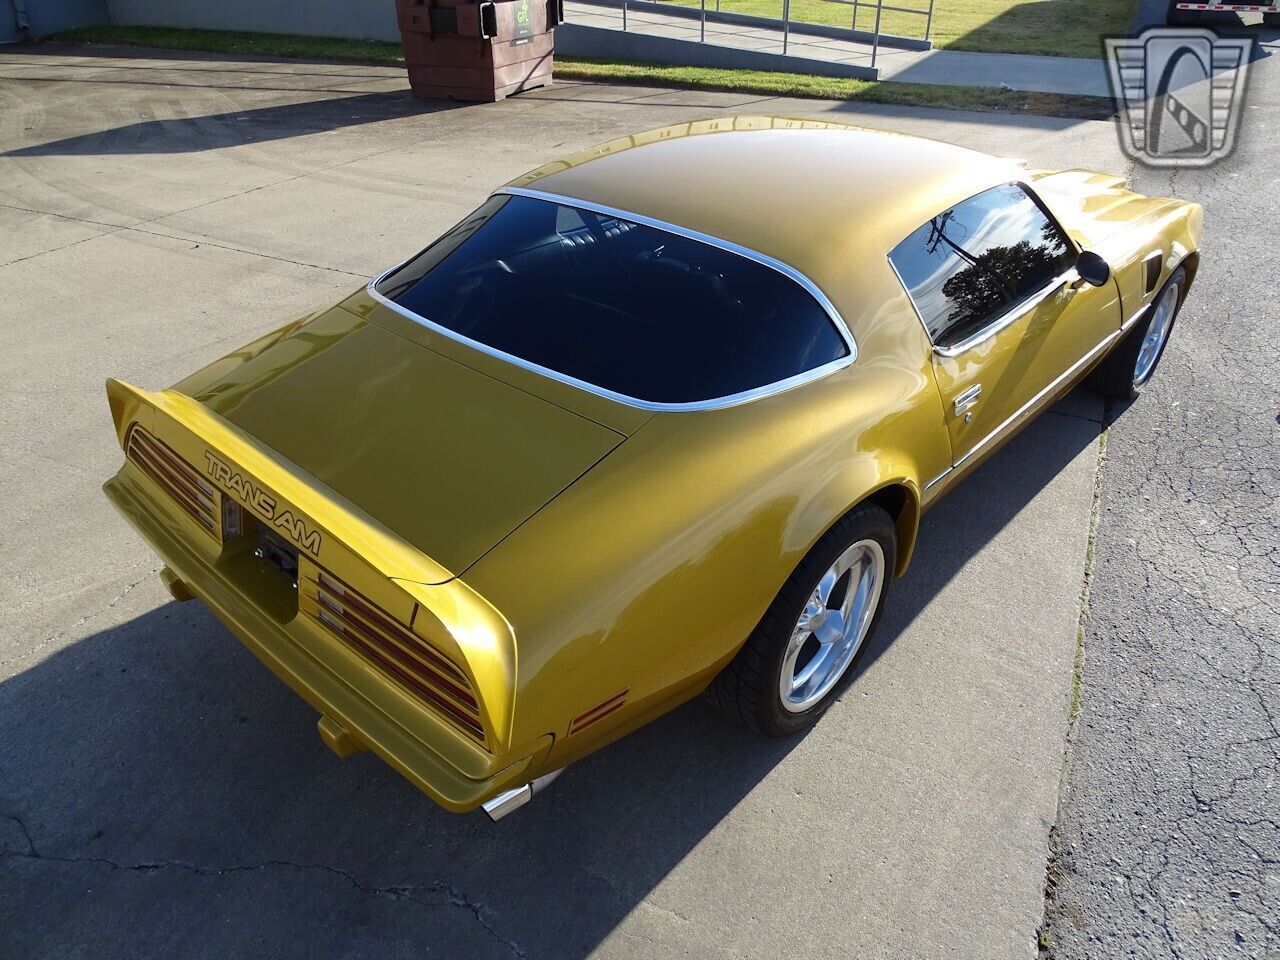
161 794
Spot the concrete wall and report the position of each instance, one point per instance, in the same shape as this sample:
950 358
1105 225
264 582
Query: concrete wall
355 19
50 16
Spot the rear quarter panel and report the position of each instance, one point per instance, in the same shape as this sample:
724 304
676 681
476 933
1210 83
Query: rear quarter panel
648 574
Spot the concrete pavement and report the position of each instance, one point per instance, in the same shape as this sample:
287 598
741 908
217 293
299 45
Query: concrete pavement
161 794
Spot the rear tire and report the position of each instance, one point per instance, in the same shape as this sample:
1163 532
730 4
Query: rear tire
1271 19
1180 18
1129 367
816 630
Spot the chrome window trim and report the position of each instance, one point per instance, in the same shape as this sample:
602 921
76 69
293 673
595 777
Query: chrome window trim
1009 317
1014 312
715 403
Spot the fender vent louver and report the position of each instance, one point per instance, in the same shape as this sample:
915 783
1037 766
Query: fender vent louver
1152 267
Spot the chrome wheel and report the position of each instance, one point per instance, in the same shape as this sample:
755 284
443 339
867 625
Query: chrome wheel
832 626
1157 333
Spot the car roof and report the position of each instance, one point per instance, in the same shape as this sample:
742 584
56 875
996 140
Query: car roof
826 198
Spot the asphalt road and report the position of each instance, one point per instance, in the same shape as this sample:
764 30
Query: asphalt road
1169 836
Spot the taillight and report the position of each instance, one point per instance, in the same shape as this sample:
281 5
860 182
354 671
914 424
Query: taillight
417 665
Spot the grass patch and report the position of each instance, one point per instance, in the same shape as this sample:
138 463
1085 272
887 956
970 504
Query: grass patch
839 88
242 44
1043 941
1056 28
696 78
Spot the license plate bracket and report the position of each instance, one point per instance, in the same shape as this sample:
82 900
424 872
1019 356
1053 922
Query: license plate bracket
277 554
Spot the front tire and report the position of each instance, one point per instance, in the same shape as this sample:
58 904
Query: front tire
805 649
1130 366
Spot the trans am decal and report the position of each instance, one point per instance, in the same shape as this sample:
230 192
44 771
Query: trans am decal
264 504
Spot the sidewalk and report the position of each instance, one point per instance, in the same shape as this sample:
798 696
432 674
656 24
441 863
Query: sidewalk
596 30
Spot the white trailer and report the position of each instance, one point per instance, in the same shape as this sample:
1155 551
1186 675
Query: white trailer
1182 12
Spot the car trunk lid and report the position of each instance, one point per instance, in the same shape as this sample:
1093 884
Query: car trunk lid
446 457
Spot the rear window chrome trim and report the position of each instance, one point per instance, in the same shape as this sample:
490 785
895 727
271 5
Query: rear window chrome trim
715 403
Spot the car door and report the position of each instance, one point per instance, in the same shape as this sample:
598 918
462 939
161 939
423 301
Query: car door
994 283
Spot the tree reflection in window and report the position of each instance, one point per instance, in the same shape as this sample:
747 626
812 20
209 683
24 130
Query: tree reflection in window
974 262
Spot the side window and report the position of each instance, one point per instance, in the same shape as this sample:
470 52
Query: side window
973 263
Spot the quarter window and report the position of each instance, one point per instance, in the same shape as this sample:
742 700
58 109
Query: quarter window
980 259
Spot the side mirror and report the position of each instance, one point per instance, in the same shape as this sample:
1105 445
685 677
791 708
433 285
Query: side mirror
1092 268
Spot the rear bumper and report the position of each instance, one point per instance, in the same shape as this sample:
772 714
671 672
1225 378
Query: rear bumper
418 754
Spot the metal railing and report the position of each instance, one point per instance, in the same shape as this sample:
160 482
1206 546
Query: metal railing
785 22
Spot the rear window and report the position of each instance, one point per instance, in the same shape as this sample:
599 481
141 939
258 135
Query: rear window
620 305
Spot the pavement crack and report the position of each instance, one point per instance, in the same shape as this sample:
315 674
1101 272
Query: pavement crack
65 216
204 240
116 228
41 253
60 634
26 833
446 893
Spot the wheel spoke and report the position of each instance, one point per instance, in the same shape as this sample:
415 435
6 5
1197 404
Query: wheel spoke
837 631
857 591
816 663
826 585
798 640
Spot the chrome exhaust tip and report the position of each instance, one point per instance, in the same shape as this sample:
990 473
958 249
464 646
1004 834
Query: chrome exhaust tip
511 800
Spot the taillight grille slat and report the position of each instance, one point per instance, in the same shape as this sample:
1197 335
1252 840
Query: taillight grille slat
380 621
192 481
175 476
173 481
424 671
398 650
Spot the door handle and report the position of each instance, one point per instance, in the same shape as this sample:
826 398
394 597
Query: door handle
967 400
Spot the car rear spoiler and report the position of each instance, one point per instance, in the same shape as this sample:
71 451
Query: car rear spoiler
352 546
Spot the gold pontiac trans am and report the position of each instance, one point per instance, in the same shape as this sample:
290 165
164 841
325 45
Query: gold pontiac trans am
657 418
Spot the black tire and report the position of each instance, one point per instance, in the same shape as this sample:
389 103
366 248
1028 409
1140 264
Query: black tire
747 690
1114 377
1271 19
1180 18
